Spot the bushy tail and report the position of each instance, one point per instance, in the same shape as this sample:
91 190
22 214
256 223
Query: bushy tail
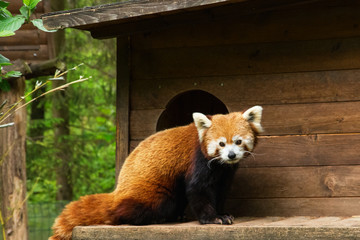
88 210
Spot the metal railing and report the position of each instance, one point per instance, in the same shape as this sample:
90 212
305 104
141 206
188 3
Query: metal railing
41 216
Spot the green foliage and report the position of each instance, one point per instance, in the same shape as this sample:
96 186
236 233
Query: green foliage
92 123
6 33
12 24
4 85
4 61
4 13
39 24
9 24
31 3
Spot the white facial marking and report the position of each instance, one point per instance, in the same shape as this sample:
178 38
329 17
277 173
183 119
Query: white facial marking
214 145
237 148
230 152
231 148
249 142
236 137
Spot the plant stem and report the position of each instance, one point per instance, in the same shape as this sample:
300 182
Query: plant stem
3 117
57 74
50 91
2 225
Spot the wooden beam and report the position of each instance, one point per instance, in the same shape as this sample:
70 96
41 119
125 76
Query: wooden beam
296 182
245 19
240 90
301 150
284 119
257 58
293 23
44 68
25 37
104 21
38 52
122 101
92 16
339 206
13 166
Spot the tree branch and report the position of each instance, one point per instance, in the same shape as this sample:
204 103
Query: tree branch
45 68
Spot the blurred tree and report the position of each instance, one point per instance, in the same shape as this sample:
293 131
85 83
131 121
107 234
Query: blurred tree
60 110
87 141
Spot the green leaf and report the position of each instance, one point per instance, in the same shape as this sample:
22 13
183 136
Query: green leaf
4 4
6 33
26 2
39 24
4 61
12 23
31 3
25 11
13 74
4 13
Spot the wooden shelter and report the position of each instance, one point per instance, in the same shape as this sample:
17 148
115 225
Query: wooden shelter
29 43
299 59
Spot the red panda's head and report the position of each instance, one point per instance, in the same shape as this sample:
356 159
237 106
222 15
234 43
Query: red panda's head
227 138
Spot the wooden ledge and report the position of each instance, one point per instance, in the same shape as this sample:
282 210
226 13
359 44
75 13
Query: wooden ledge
115 12
244 228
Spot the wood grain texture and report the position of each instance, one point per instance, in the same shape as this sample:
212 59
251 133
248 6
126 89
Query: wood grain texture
240 90
258 58
294 23
38 52
304 150
243 229
294 207
13 166
83 18
164 21
296 182
25 37
287 119
33 70
143 123
122 102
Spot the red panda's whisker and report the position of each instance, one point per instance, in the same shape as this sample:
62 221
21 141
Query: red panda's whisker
252 154
211 160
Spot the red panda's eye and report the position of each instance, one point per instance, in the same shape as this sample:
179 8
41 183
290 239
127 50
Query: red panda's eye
238 142
222 144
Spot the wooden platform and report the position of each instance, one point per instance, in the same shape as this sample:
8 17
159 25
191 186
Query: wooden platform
244 228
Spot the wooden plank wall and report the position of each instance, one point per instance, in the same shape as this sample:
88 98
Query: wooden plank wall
29 43
302 64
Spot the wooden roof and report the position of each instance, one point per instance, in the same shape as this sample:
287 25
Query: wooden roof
29 43
140 15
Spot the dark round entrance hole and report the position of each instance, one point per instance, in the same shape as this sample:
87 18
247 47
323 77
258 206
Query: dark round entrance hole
179 110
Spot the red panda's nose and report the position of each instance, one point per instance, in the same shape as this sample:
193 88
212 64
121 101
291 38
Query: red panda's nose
231 155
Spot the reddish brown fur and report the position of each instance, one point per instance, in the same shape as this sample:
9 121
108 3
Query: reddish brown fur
146 176
137 180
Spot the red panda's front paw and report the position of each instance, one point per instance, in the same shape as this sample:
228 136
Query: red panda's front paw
218 219
227 219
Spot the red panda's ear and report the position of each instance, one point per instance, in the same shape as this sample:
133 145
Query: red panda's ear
253 115
202 123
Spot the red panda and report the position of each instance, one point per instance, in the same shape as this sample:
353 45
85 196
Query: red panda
192 164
